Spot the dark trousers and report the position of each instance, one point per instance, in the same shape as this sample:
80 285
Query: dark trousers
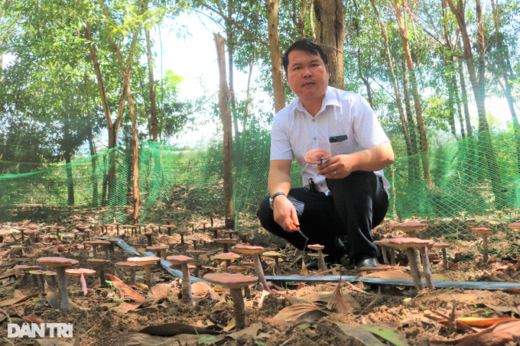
356 205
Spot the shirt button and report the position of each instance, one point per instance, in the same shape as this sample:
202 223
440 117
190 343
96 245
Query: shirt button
313 120
314 138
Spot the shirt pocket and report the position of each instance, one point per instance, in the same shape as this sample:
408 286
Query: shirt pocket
340 148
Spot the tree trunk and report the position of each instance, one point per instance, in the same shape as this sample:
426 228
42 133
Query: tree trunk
230 47
415 91
330 35
225 114
311 20
398 101
276 57
70 181
136 199
360 71
93 169
464 96
153 106
458 100
478 84
302 19
451 97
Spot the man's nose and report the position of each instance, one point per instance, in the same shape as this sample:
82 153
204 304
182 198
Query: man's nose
307 72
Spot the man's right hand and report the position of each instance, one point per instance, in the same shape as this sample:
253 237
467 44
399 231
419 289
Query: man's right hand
284 212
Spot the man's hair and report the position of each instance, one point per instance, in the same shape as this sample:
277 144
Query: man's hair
304 45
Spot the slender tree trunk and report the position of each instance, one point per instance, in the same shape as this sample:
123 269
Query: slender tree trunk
330 35
458 101
311 20
409 113
398 101
360 71
451 98
230 47
70 180
415 91
276 56
302 19
136 199
225 114
153 105
93 169
478 84
464 96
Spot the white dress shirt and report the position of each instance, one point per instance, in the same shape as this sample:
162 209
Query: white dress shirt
295 132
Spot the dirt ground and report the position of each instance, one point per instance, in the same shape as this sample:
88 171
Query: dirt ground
106 316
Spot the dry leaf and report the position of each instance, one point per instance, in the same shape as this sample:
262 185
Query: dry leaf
497 335
325 298
172 329
159 293
18 299
292 300
438 277
292 312
252 331
230 325
338 303
127 291
52 296
483 322
304 270
125 307
33 319
201 290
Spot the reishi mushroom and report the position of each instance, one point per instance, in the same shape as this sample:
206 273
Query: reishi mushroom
255 252
515 226
196 254
276 256
146 262
321 259
60 264
81 272
128 265
187 297
443 246
316 156
483 231
99 265
234 282
225 242
227 256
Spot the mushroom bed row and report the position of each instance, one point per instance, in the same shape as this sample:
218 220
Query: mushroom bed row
230 276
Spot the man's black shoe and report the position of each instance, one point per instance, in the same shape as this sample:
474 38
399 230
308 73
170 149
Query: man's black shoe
367 261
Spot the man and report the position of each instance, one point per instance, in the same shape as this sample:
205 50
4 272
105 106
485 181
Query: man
345 195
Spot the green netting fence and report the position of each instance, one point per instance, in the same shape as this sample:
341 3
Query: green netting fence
473 176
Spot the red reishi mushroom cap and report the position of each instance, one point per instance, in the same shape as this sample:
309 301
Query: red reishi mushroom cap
96 242
315 156
127 265
25 268
273 254
225 241
230 280
481 230
179 266
226 256
248 250
196 252
57 262
514 225
157 247
179 259
383 241
96 262
405 243
238 269
316 247
80 271
143 260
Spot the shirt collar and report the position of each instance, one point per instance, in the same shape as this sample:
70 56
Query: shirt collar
330 99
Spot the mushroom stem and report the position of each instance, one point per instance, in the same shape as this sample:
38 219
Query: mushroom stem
62 286
149 236
392 257
196 272
42 284
194 245
102 280
485 258
148 272
247 292
426 268
260 273
410 253
321 261
107 253
225 247
132 275
187 297
383 251
417 257
239 307
35 280
182 238
170 233
215 234
445 259
277 270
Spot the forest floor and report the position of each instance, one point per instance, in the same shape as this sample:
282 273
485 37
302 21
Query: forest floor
293 314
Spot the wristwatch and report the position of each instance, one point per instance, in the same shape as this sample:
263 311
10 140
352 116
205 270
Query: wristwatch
271 198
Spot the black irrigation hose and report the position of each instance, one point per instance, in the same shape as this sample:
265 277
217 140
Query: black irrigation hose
165 264
468 285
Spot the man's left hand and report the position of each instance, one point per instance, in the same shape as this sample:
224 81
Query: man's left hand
337 167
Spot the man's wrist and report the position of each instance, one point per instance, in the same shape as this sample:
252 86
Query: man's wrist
274 196
278 200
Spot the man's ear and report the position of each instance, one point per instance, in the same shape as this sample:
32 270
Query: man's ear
327 69
287 78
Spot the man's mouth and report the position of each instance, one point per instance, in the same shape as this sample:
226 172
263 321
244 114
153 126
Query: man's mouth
308 83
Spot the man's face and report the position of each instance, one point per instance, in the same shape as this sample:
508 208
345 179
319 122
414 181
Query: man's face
307 75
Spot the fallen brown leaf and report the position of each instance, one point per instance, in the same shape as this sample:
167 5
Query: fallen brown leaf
337 303
127 291
292 312
497 335
33 319
172 329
